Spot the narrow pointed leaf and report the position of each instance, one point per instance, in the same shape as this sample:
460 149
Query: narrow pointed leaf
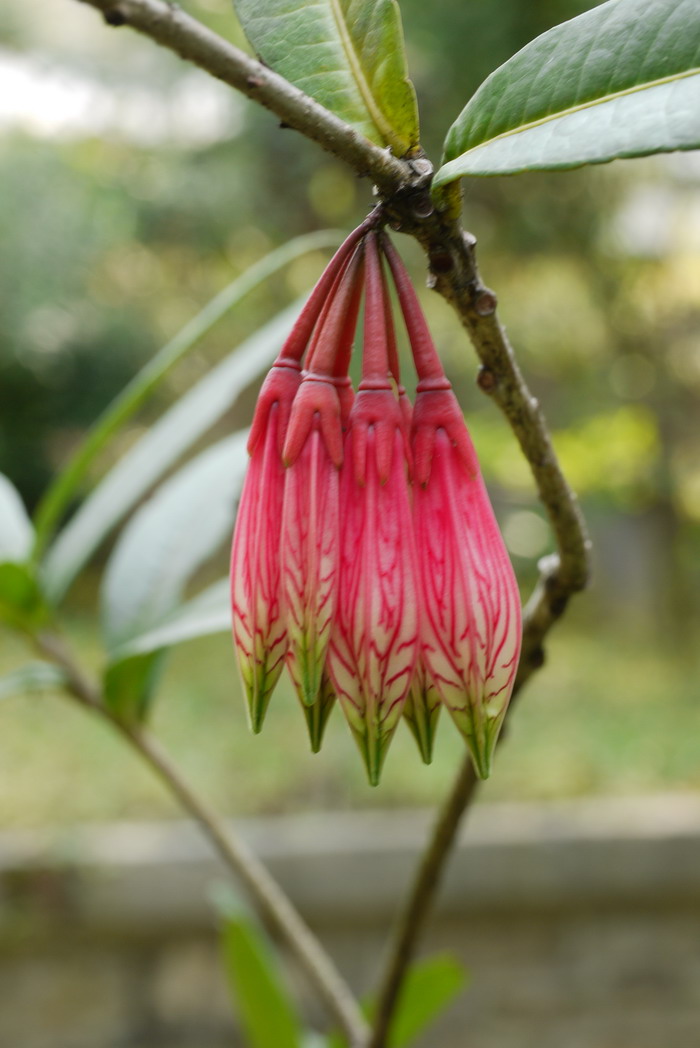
263 1004
347 54
158 450
169 537
207 613
16 533
62 491
35 676
622 80
430 986
428 989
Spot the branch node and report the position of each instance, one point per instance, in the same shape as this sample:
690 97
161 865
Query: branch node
486 380
486 302
115 17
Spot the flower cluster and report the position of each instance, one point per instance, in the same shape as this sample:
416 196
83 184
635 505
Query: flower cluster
366 556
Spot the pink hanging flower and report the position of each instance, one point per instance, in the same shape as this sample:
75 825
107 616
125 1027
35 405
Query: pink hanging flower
366 554
259 626
374 642
313 453
471 623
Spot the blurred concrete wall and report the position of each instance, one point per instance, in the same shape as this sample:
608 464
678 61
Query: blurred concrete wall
580 923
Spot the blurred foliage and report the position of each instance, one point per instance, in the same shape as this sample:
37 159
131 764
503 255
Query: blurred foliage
134 188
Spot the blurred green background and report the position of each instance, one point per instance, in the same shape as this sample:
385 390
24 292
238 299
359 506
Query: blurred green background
133 188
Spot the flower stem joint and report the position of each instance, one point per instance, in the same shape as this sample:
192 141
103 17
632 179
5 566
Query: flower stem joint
366 555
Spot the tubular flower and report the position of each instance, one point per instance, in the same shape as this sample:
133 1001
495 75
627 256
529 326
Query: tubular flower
471 626
259 626
374 644
366 554
313 452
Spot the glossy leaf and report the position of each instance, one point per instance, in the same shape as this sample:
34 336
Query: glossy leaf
263 1004
347 54
622 80
16 532
159 449
170 536
34 676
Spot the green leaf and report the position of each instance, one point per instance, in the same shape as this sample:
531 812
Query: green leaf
129 684
622 80
170 536
347 54
209 612
137 392
21 600
16 532
131 677
35 676
264 1007
155 453
428 989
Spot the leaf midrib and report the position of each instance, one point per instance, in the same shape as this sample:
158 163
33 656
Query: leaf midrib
375 112
551 117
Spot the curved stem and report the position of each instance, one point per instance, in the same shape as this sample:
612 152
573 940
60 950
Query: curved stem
413 915
270 900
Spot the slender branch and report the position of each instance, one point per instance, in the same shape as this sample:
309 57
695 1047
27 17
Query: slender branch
174 29
271 902
412 917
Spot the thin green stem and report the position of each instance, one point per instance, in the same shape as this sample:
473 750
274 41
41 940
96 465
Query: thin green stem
60 493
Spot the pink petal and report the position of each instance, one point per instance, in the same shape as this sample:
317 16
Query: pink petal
310 563
374 642
471 628
258 625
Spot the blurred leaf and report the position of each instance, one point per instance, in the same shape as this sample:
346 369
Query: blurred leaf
347 54
21 601
264 1007
622 80
149 377
16 532
155 453
35 676
428 989
129 684
209 612
168 538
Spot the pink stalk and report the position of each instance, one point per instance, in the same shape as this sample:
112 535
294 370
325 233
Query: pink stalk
318 393
281 383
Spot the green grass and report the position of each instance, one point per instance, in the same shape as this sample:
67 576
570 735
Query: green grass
601 718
